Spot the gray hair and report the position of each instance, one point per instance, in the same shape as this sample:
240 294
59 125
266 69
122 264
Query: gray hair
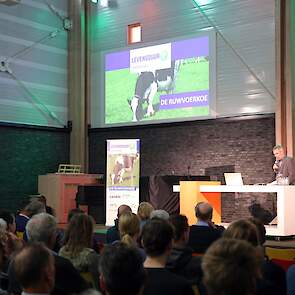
160 213
278 147
35 207
41 227
3 225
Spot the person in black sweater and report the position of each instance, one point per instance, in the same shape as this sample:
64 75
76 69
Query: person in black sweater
180 260
157 242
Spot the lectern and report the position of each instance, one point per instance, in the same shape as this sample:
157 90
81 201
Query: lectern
190 195
60 190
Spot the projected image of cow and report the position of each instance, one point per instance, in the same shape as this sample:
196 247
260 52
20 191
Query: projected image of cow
147 85
123 170
160 83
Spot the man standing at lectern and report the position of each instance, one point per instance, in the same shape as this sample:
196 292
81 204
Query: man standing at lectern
284 166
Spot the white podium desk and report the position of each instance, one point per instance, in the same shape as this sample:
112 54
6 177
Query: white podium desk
285 204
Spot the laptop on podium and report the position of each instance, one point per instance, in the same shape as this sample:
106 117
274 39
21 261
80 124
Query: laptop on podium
233 178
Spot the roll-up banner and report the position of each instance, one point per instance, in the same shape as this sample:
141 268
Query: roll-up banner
122 176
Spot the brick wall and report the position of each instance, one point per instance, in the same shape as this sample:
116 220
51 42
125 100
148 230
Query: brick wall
196 147
25 154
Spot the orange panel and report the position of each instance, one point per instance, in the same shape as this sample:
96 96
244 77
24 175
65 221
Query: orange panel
190 195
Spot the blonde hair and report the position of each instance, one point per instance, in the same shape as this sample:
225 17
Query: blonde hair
128 228
144 210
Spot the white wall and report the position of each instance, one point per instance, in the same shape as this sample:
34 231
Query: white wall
247 25
39 97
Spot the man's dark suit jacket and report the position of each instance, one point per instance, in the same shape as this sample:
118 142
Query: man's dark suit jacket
201 237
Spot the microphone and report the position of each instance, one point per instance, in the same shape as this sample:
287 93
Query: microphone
276 163
188 172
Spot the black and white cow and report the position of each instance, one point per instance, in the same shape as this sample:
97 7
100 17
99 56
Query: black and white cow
123 163
147 85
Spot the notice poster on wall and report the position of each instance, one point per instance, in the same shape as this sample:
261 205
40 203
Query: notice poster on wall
122 181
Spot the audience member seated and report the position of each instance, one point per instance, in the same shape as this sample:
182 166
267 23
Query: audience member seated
129 230
204 232
48 209
291 280
3 259
21 219
74 212
181 261
160 213
144 212
113 232
122 271
157 241
77 246
8 238
34 269
273 280
9 219
41 228
231 267
270 271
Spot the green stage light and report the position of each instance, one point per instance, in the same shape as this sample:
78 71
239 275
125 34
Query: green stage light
94 1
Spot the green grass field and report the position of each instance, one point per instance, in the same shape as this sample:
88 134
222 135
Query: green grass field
120 87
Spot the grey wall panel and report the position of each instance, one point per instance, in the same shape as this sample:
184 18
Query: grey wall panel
247 25
42 69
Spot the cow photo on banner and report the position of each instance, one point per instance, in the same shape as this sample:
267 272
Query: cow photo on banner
122 181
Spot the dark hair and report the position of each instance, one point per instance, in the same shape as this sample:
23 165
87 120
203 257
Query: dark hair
180 225
157 235
7 216
260 228
74 212
231 267
122 269
29 264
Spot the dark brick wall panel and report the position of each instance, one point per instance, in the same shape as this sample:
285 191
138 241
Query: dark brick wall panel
244 144
25 154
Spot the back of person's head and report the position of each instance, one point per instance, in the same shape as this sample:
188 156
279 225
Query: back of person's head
243 229
35 207
9 219
157 237
180 226
121 269
231 267
78 235
160 214
73 212
144 210
34 267
204 211
42 228
129 227
260 228
42 199
123 209
3 225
